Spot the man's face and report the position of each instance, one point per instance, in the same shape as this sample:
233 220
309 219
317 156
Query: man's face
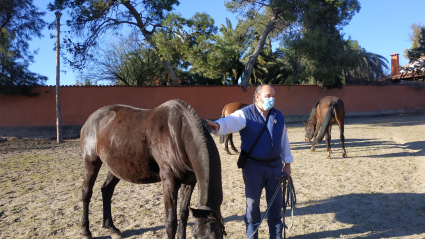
267 92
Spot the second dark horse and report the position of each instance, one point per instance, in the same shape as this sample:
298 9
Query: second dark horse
227 110
328 111
166 144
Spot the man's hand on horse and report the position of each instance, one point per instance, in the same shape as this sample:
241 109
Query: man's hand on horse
213 125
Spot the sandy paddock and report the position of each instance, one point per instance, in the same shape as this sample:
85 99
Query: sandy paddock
377 192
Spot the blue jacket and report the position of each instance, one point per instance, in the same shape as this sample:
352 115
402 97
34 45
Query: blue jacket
269 146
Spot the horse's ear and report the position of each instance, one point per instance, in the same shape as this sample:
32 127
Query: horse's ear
305 123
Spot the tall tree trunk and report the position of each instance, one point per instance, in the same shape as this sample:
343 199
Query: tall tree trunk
170 72
251 61
148 37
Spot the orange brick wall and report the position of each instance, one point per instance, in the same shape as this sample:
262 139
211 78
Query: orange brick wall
77 103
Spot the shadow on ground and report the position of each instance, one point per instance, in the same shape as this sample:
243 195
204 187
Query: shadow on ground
385 215
367 144
386 218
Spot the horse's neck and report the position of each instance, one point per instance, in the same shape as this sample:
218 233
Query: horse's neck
209 187
313 118
210 193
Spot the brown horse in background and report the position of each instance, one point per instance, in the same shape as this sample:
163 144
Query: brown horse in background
328 111
227 110
166 144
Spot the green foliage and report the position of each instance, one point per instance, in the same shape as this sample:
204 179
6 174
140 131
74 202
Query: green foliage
320 46
94 19
225 54
413 37
271 67
126 62
19 22
86 82
419 51
370 67
213 58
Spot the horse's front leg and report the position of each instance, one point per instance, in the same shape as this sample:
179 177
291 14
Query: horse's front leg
313 146
185 195
170 188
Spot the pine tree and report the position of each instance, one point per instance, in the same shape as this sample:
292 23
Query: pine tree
419 51
19 21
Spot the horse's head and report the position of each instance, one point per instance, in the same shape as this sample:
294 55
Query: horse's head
208 224
309 131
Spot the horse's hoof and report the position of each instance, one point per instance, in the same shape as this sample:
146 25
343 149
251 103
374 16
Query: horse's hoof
313 149
236 151
115 233
87 235
116 236
344 155
228 152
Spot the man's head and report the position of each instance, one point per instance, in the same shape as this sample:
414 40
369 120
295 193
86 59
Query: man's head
263 93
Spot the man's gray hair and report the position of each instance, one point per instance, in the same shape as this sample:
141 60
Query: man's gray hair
258 91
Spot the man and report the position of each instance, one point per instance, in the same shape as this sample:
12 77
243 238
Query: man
264 166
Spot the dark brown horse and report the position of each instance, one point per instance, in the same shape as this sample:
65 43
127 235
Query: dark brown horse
227 110
328 111
166 144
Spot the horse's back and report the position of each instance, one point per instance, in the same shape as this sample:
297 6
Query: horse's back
336 104
232 107
134 143
116 135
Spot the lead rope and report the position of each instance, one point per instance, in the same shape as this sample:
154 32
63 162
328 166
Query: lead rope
289 201
290 193
271 202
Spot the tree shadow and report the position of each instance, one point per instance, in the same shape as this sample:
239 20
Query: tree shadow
129 233
361 144
389 120
373 215
378 120
233 218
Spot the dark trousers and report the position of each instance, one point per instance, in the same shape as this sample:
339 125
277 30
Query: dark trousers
256 177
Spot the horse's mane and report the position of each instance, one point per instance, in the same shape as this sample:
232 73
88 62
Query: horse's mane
204 149
198 125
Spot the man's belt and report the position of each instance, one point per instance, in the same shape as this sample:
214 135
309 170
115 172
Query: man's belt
264 161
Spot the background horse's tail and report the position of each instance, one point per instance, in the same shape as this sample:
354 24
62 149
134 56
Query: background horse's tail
325 123
222 116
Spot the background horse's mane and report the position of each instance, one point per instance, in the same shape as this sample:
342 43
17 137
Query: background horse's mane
313 112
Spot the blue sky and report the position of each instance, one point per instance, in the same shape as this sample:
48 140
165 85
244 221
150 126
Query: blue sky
381 27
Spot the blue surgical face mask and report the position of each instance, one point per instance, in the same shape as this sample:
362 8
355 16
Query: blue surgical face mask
268 103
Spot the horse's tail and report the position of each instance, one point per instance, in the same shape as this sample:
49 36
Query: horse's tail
222 116
325 123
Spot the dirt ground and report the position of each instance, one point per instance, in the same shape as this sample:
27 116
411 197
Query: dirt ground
377 192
